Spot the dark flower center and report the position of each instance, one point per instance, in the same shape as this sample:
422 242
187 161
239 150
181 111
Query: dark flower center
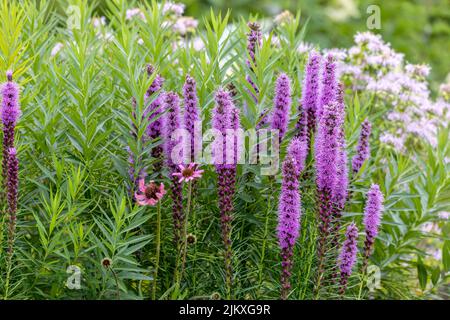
151 190
187 172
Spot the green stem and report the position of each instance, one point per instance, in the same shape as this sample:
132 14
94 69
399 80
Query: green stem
266 231
158 250
183 250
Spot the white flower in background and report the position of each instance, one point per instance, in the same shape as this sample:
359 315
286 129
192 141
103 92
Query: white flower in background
372 65
58 46
183 25
444 215
198 44
284 17
342 10
418 70
140 41
135 12
305 47
98 22
176 9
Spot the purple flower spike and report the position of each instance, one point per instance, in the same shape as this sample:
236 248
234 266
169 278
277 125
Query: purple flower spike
191 110
329 84
363 148
282 105
326 153
310 93
289 213
372 219
225 116
12 183
10 113
155 111
172 123
298 150
254 39
347 257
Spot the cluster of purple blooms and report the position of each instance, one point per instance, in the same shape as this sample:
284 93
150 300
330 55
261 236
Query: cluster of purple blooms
322 115
10 112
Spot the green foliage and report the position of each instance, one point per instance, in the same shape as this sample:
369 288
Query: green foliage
75 198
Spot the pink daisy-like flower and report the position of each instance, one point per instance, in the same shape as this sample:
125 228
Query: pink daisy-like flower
188 173
149 194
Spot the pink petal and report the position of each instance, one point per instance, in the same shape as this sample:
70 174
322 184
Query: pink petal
142 185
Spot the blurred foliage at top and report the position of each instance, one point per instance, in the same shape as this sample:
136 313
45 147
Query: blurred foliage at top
420 29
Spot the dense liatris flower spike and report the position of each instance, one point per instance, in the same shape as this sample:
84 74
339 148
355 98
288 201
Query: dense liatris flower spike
10 112
289 212
225 116
363 148
310 93
188 173
254 38
282 105
154 109
173 123
372 219
328 86
149 194
191 111
326 153
347 256
12 184
298 150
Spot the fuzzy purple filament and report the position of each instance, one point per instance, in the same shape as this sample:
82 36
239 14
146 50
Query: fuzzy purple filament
298 150
12 183
282 105
10 113
326 153
347 256
363 148
310 91
328 85
372 219
191 111
222 120
173 123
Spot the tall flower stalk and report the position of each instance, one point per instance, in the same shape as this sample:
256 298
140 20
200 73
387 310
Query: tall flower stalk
10 113
372 220
363 148
154 112
347 257
282 105
172 123
226 174
310 93
12 183
328 84
191 112
254 38
288 221
340 189
326 153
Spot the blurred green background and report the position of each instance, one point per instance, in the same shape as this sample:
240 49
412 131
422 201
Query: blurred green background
420 29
